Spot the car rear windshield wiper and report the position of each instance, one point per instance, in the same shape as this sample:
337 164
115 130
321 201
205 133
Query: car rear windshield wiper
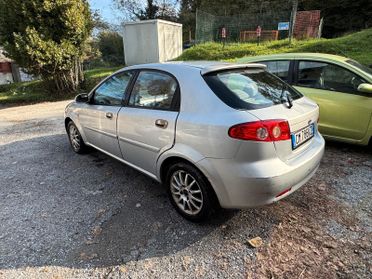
286 98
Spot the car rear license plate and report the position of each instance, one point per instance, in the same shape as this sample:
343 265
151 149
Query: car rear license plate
302 136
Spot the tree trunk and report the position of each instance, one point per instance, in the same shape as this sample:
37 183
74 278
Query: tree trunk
69 81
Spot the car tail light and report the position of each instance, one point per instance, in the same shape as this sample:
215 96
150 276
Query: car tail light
266 130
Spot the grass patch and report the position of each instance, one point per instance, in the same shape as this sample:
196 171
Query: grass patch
356 46
37 91
92 77
100 73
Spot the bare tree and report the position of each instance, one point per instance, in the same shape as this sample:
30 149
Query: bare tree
149 9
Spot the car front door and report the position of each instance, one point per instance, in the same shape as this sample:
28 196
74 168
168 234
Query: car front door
147 124
344 112
99 117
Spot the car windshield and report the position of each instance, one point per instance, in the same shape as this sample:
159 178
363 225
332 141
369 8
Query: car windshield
249 88
360 66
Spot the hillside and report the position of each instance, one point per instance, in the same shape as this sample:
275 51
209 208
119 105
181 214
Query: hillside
357 46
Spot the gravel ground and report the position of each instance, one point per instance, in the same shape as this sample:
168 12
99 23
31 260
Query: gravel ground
68 216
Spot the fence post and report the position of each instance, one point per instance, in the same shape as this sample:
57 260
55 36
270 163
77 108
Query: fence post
293 19
320 30
258 34
196 27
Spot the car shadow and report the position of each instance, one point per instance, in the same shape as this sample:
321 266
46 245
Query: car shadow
347 147
60 208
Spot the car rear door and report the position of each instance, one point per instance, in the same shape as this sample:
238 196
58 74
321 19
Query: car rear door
344 112
99 117
147 124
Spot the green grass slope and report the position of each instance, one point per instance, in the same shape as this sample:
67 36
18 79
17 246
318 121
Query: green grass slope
357 46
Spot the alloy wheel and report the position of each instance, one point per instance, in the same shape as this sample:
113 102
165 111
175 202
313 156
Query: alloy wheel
186 192
74 137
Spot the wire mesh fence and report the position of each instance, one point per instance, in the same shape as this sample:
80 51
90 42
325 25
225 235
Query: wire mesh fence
240 27
266 25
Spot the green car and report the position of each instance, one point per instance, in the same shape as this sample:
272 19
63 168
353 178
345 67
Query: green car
342 88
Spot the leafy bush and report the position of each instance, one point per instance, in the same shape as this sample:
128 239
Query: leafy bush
47 38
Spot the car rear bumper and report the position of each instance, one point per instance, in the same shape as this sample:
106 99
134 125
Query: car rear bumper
250 184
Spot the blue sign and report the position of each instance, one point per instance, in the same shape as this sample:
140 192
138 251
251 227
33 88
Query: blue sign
283 26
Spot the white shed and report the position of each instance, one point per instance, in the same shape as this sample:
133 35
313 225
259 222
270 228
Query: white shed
151 41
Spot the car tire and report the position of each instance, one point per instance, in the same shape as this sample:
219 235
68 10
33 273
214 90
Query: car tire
76 141
190 192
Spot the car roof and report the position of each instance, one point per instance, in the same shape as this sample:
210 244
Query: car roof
320 57
203 67
302 55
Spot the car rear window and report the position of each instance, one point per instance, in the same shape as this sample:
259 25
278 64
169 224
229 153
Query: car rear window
249 88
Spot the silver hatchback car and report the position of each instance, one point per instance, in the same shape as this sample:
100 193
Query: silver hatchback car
215 134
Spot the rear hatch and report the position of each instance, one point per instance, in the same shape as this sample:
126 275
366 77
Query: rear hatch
250 88
302 119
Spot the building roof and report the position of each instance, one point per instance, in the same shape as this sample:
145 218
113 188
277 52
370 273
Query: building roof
148 21
3 58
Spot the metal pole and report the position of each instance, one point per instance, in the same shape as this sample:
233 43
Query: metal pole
293 19
320 30
196 27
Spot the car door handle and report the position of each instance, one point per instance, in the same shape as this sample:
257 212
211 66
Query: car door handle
109 115
161 123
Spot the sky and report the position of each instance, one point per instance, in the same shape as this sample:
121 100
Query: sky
108 12
106 9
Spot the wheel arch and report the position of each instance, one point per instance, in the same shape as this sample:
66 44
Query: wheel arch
67 120
179 152
184 153
171 160
72 117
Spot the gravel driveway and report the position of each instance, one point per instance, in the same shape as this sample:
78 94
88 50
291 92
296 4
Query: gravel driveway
64 215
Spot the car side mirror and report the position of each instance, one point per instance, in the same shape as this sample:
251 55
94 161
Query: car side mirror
82 98
365 88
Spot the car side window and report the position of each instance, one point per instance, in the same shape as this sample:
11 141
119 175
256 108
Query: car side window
112 91
279 68
153 89
327 76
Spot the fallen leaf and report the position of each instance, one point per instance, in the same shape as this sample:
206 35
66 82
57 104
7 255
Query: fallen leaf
256 242
123 269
